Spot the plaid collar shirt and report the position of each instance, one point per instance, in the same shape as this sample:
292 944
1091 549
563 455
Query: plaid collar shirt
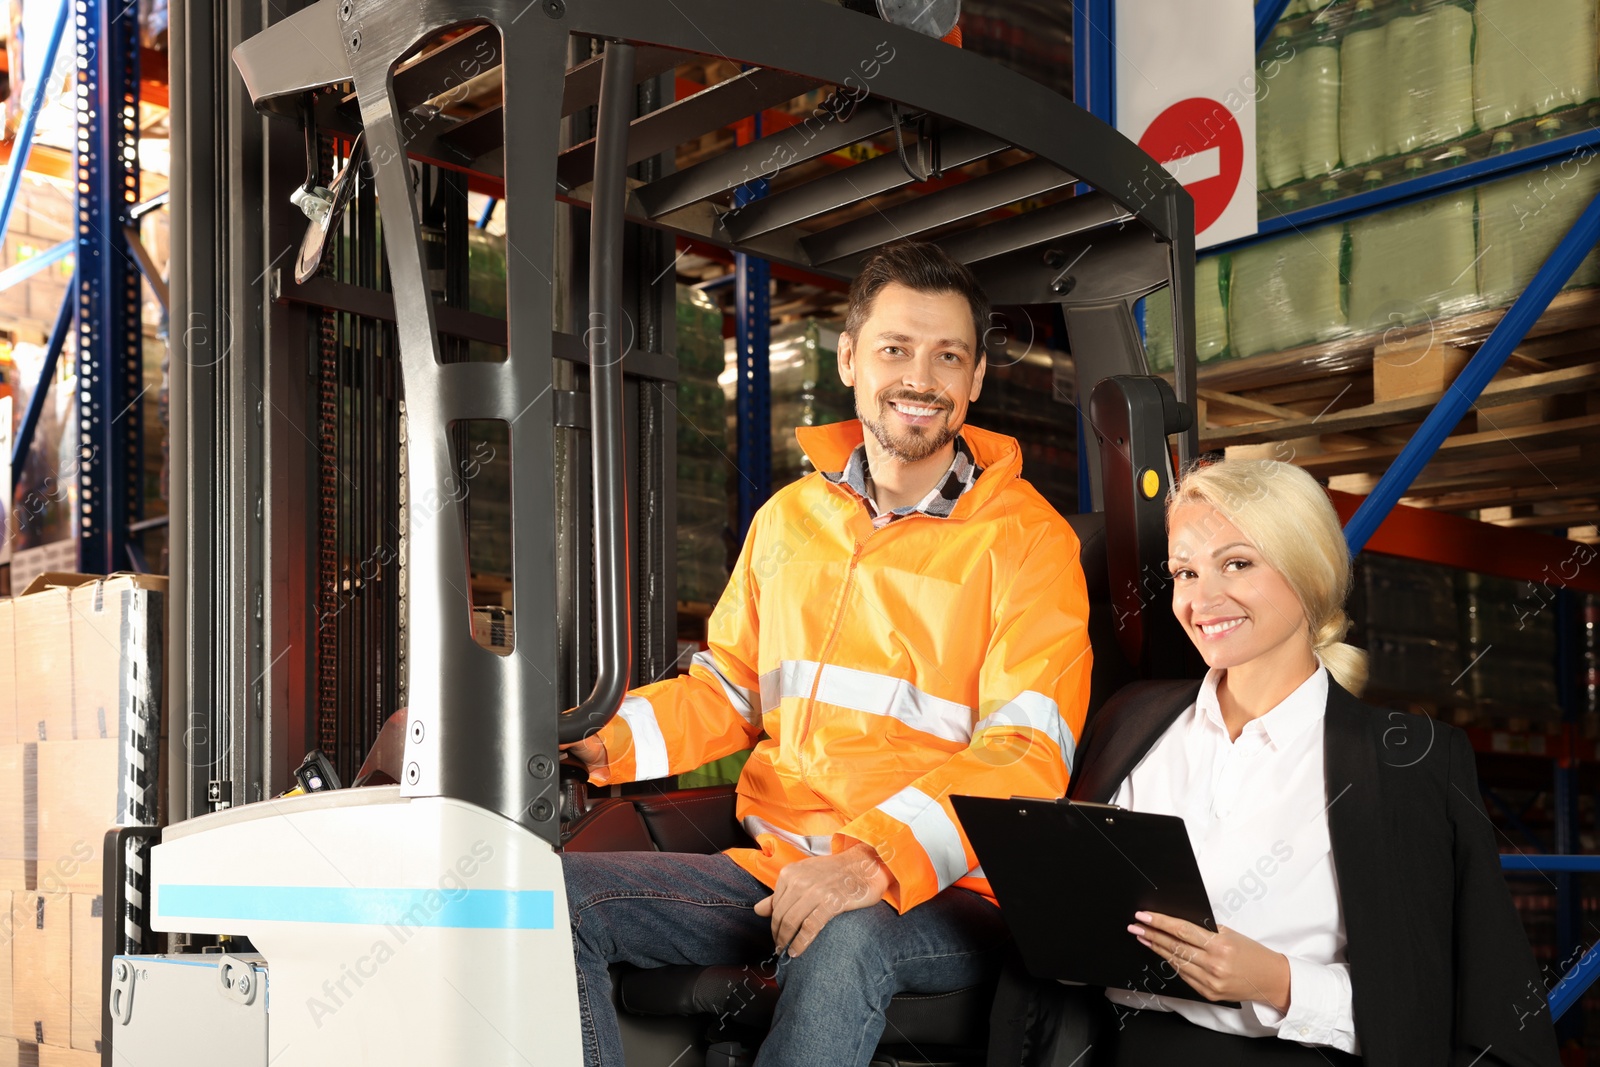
939 502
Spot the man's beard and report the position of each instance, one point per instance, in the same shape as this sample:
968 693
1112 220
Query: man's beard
912 443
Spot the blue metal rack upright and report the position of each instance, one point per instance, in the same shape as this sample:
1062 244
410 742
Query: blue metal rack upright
110 333
753 345
1094 90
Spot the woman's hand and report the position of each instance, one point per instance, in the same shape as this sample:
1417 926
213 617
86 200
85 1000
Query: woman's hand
1225 965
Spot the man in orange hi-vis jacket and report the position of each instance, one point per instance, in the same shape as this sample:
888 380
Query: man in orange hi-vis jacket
906 624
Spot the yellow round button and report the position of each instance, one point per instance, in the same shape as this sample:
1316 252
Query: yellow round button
1150 483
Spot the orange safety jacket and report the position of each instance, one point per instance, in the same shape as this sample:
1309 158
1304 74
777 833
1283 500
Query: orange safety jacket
876 672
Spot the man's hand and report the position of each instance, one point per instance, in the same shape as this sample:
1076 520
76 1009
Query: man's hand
810 892
1225 965
591 752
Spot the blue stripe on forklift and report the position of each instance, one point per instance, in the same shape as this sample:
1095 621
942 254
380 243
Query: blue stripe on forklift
474 909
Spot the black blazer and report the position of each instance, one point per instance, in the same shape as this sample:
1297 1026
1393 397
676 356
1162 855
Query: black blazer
1440 967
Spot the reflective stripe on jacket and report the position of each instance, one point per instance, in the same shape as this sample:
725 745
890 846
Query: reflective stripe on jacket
877 672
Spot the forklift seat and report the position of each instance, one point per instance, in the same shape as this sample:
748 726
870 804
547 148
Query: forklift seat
743 998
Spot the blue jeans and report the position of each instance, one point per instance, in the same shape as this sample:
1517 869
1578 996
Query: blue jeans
652 909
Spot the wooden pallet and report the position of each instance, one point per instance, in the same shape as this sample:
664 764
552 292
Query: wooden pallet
1527 454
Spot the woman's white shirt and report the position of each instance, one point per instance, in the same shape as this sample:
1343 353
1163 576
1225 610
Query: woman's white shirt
1257 814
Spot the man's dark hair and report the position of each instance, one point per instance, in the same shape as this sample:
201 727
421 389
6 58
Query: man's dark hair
918 265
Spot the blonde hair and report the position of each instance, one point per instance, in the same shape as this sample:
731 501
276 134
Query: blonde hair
1289 519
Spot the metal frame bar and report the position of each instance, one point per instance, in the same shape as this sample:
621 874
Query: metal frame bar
1522 861
613 603
1268 12
39 85
983 193
1094 58
758 216
1483 366
1575 982
1514 817
21 272
1569 903
764 157
1580 145
1441 537
752 309
964 87
664 129
47 373
1582 974
110 333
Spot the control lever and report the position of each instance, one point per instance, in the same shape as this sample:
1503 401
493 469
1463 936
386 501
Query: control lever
574 789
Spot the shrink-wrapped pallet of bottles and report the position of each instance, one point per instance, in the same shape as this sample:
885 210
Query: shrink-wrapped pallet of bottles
805 390
1359 95
1417 265
703 452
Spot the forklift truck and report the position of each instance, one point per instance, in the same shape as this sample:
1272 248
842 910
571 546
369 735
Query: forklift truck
424 921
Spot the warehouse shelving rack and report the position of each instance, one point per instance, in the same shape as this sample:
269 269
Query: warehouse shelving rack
103 303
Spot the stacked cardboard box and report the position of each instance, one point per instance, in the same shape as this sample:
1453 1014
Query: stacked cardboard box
79 747
50 1056
41 961
8 672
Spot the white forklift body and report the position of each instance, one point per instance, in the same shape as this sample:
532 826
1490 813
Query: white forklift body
398 930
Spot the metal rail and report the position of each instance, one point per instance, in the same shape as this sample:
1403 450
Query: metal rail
605 335
38 85
1268 12
110 347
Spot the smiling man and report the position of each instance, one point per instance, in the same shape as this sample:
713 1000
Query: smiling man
906 624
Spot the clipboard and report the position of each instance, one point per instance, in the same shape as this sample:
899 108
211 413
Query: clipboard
1069 877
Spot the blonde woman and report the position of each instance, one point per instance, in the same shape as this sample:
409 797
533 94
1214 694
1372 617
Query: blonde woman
1361 909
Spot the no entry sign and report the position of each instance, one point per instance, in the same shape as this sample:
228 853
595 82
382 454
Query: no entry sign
1199 141
1185 93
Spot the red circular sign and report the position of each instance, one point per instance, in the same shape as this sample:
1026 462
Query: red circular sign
1202 137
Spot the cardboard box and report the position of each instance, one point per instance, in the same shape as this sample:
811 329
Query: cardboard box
7 932
492 627
19 791
81 796
88 926
42 621
11 1053
118 647
8 672
41 962
57 557
50 1056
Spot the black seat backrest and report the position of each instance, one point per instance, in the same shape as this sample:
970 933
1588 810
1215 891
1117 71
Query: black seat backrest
1111 669
1131 625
